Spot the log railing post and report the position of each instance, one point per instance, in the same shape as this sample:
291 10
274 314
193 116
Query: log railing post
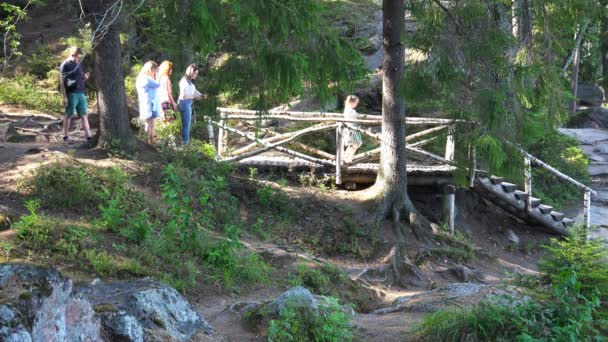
449 144
528 182
473 157
220 140
449 206
587 216
210 130
339 149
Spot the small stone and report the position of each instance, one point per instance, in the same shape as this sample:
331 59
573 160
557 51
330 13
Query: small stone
512 236
124 327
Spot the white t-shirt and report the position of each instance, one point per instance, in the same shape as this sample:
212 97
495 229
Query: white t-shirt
350 113
187 90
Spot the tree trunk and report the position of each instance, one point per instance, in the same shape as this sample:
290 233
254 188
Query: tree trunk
114 127
391 182
574 82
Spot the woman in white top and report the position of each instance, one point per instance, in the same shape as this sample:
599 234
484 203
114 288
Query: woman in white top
187 94
351 138
147 92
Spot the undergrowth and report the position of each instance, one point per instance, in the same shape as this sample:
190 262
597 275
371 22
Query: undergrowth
128 235
297 323
567 304
329 280
25 90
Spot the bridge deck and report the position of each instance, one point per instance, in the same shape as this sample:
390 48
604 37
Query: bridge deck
413 167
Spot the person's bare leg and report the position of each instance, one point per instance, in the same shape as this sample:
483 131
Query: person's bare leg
150 131
85 126
66 125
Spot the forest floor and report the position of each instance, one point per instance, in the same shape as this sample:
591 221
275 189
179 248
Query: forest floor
325 220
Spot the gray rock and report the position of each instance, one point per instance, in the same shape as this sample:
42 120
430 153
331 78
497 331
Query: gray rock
460 294
298 296
590 95
18 334
39 304
44 297
7 131
159 309
123 327
513 238
601 147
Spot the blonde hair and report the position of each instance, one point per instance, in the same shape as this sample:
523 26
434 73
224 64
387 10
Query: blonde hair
351 99
190 71
74 50
165 68
148 68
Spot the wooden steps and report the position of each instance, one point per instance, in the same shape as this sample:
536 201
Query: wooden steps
507 196
545 209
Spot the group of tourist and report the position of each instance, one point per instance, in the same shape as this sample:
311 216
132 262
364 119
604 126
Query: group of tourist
154 92
155 95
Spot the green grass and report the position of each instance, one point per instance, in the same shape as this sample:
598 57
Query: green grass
105 264
27 91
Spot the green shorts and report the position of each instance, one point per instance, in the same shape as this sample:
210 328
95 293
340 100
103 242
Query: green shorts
77 102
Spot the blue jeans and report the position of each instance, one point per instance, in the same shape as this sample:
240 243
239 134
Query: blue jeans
185 108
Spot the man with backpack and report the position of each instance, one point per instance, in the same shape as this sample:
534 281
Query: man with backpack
72 82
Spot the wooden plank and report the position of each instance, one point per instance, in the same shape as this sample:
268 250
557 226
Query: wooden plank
304 146
362 156
220 140
268 146
430 155
255 144
422 142
450 144
277 136
315 116
279 148
450 212
473 167
364 131
528 182
339 149
423 133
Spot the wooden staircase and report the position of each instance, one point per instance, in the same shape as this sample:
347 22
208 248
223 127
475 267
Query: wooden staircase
506 196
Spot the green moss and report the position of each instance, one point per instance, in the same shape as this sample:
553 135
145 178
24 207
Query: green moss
105 307
25 296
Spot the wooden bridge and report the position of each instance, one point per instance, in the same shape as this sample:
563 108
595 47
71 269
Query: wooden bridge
276 139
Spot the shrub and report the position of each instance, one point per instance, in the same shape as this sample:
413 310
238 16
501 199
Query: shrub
198 199
576 254
24 90
34 229
64 184
329 323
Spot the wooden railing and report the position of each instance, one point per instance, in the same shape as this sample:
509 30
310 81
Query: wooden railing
335 121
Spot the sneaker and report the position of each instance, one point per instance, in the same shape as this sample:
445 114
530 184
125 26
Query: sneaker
67 140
